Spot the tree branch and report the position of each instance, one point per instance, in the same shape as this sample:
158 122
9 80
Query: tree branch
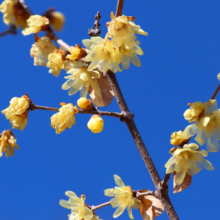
216 92
119 8
93 208
33 107
11 30
163 196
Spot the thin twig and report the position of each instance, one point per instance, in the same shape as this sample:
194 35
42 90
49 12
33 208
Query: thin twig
93 208
33 107
11 30
216 92
139 194
95 31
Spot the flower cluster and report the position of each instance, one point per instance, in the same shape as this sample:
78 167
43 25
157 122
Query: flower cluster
79 210
17 112
207 125
7 143
123 198
187 160
65 118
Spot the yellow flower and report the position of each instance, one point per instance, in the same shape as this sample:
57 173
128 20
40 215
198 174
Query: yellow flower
103 53
41 49
123 197
187 160
130 55
7 143
81 79
195 111
55 63
207 127
17 112
76 53
85 103
176 138
79 210
35 23
122 31
218 76
7 10
57 20
65 118
96 124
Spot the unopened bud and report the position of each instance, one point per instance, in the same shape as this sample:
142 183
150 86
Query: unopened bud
96 124
84 104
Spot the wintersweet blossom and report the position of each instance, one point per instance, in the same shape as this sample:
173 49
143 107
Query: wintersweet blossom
81 79
103 53
57 20
96 124
76 53
123 197
130 55
17 112
176 138
55 63
122 31
65 118
79 210
218 76
187 160
207 127
8 12
41 49
194 112
7 143
35 23
84 103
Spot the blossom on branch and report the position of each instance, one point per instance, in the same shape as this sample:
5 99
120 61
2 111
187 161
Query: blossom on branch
65 118
103 53
55 62
207 125
96 124
176 138
123 197
41 49
7 143
76 53
79 210
194 112
81 79
17 112
122 31
35 24
8 12
187 160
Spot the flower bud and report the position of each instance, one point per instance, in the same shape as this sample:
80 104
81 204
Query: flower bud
176 138
96 124
57 20
84 104
194 112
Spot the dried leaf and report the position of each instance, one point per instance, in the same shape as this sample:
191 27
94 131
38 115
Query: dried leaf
185 184
107 93
151 206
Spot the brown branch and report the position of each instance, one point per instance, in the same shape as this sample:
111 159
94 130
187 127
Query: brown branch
162 195
11 30
93 208
95 31
119 8
139 194
33 107
216 92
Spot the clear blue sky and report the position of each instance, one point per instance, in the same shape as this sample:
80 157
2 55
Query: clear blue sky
180 65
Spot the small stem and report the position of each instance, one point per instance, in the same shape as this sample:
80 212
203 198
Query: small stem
11 30
139 194
119 8
33 107
216 92
93 208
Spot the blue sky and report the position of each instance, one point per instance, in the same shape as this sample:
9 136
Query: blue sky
180 65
